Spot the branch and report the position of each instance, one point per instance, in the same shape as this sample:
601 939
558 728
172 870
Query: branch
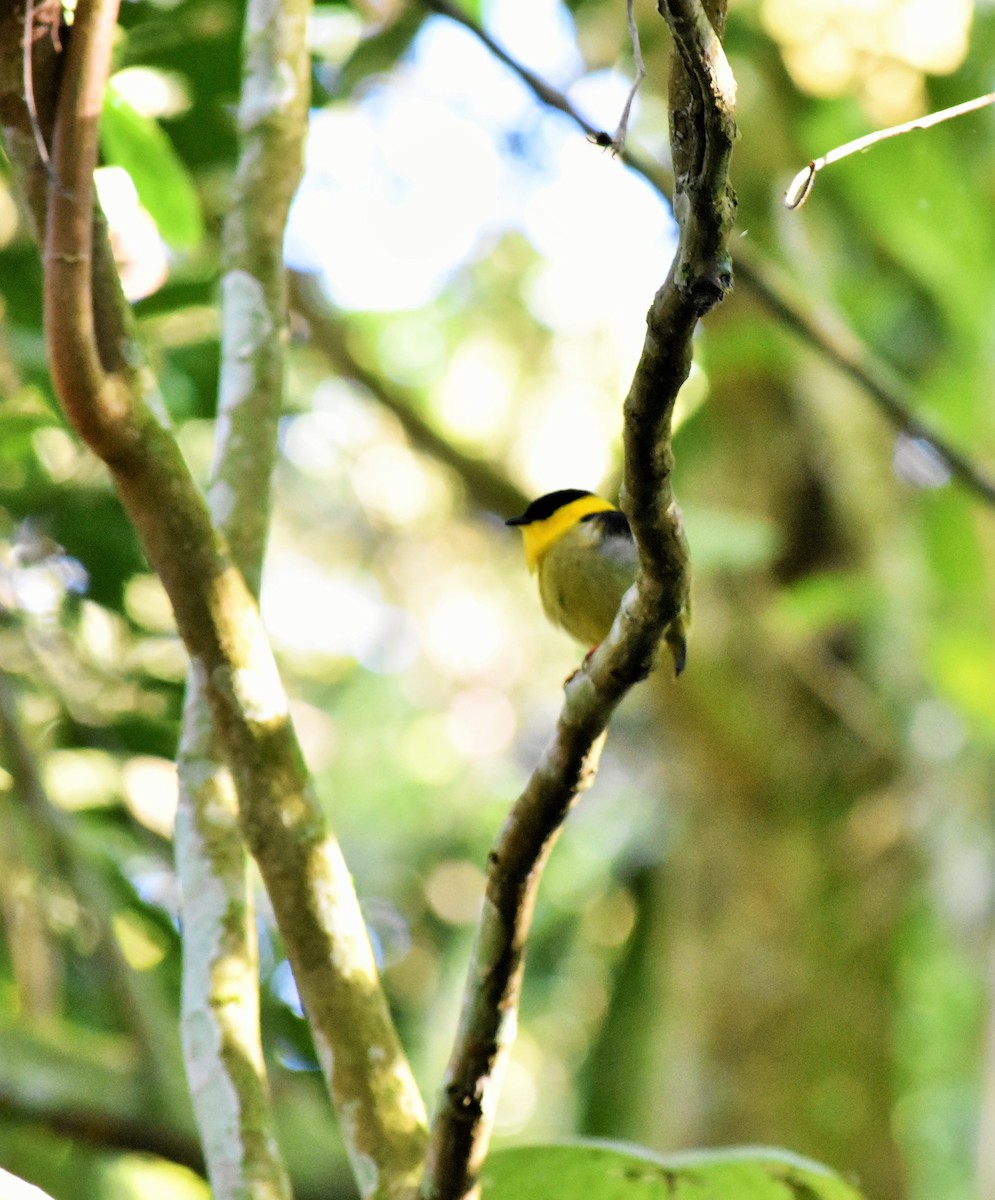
489 488
697 280
222 1039
27 66
299 859
106 1128
99 1110
841 348
622 129
543 92
96 403
800 188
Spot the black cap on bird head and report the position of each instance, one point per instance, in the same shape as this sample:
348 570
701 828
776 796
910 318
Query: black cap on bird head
546 505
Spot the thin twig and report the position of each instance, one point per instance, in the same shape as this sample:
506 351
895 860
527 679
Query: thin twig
619 136
543 91
801 186
29 85
843 351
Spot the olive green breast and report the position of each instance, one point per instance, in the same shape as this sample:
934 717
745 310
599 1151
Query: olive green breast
583 577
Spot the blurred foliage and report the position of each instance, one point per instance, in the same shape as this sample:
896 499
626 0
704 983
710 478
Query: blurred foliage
770 920
611 1172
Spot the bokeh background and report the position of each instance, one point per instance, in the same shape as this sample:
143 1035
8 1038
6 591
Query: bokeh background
771 919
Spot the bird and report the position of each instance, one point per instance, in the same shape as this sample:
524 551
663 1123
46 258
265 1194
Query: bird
582 549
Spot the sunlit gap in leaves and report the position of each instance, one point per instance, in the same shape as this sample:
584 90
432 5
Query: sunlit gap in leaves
402 188
154 92
880 49
310 611
410 189
37 577
139 251
918 463
9 222
314 606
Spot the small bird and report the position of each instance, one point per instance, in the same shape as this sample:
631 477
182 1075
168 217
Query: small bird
584 553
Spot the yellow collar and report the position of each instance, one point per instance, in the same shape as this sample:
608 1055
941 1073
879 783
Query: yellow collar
540 535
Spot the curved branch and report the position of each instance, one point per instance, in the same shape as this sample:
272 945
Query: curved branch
299 859
697 280
94 401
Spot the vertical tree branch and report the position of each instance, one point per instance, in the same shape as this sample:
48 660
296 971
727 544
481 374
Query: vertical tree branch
704 130
300 861
222 1041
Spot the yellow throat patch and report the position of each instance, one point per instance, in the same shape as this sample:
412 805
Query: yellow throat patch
540 535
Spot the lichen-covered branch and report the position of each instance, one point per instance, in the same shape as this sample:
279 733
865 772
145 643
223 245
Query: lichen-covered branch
221 1035
106 400
699 277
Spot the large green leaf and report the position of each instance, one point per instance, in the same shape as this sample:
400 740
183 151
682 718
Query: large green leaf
613 1171
135 142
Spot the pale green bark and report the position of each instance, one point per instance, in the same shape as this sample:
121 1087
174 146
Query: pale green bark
221 1034
113 407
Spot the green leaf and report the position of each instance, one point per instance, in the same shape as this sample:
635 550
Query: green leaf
137 143
614 1171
